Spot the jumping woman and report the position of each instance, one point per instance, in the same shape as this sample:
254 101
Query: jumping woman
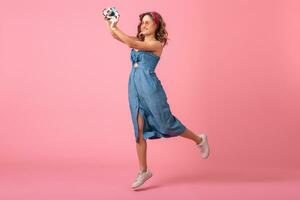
150 111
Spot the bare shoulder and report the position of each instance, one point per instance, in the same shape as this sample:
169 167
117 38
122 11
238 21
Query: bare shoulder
159 48
154 46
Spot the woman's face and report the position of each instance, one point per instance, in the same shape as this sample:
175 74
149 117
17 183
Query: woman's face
148 26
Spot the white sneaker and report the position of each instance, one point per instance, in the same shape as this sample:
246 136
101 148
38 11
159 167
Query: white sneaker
141 178
204 147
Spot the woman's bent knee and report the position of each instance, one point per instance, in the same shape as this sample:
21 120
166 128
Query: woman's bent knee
141 139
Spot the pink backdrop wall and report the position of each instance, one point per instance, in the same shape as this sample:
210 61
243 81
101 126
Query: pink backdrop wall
231 69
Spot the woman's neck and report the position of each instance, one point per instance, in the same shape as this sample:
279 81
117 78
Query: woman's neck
149 38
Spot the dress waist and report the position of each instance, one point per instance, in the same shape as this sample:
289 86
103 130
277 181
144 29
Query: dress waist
141 66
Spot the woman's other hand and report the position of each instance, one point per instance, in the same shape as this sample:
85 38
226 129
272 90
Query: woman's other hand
111 23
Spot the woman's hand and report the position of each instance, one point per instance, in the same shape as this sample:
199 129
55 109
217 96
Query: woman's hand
111 24
114 23
108 22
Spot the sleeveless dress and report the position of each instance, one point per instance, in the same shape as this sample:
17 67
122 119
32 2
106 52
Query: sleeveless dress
147 96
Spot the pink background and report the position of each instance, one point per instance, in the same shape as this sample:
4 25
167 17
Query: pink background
231 70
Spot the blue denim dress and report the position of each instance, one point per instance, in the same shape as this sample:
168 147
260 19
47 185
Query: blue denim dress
147 96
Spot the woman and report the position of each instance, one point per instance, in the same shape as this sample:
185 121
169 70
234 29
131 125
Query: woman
150 111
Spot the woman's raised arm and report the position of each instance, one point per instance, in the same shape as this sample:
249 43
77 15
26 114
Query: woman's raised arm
133 42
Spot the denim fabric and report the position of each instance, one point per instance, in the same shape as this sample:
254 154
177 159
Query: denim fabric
147 96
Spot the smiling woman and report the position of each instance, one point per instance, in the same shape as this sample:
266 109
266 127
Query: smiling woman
150 111
152 23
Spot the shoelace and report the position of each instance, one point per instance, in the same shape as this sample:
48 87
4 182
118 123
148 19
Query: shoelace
138 175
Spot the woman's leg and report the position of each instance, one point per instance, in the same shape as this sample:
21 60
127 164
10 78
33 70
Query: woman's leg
141 145
192 136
